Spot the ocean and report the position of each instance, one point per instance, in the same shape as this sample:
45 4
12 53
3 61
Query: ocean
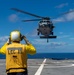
57 56
54 56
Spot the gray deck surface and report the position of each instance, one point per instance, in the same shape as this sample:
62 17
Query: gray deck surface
51 67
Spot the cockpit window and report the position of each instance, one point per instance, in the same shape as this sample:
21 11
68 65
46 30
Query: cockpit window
43 23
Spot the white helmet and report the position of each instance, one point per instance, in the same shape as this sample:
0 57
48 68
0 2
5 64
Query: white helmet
15 35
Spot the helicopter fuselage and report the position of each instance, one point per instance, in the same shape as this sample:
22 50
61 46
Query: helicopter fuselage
45 30
45 27
45 24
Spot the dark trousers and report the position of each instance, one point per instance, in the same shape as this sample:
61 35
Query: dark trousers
17 73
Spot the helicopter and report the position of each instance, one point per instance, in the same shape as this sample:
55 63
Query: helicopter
45 25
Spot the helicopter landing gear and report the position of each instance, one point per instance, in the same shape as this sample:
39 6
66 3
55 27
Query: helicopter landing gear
47 40
38 33
37 29
52 33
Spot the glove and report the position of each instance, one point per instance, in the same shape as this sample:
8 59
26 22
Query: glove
22 37
26 40
9 41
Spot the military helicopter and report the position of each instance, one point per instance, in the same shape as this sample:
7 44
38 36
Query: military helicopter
45 25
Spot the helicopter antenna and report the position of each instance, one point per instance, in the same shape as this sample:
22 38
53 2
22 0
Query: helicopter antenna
67 12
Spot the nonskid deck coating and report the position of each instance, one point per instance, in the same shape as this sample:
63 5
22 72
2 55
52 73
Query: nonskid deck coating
51 67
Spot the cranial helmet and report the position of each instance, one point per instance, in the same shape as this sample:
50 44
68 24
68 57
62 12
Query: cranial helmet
15 35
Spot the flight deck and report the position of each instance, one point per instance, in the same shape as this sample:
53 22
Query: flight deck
45 67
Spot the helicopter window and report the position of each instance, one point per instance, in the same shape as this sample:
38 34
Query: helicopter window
45 23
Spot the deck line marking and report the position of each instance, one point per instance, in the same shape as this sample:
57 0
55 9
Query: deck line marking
40 68
72 65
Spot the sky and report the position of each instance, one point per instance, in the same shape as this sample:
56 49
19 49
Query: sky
64 24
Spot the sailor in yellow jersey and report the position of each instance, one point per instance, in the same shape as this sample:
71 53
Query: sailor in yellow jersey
16 54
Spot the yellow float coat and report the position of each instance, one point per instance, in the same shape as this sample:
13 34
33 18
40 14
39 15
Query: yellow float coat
16 56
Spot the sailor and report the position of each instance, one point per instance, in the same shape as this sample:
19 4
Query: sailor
16 54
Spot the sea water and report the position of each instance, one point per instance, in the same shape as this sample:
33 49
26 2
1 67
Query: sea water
58 56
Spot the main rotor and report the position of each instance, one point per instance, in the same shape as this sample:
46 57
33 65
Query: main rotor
40 17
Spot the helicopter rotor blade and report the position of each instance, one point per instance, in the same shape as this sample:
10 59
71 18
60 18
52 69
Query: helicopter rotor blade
26 12
67 12
31 20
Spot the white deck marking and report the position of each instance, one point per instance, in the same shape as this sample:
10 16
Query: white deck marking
71 65
40 68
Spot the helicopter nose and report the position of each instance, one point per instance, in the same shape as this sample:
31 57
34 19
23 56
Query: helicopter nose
44 29
45 32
